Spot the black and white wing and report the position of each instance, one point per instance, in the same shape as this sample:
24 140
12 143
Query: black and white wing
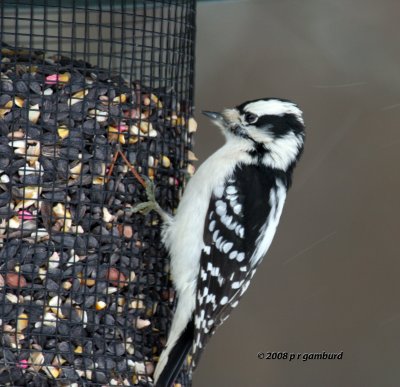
239 227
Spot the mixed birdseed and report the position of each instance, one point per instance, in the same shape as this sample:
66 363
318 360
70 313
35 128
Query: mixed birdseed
85 296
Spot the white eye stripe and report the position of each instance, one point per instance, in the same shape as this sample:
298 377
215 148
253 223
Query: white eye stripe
273 107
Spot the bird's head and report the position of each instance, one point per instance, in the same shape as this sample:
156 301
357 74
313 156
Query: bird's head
273 129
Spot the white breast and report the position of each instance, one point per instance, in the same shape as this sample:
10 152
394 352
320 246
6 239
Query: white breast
184 236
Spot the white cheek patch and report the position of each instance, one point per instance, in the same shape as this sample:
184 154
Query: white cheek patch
283 151
260 136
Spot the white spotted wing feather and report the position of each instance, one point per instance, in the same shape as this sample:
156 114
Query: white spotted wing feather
239 227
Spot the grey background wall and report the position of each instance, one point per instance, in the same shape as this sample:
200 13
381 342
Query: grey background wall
330 280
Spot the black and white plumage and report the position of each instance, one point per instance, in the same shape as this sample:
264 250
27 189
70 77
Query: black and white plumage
226 221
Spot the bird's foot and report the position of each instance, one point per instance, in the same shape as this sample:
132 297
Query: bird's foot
151 204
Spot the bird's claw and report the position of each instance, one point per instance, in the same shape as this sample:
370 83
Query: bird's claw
150 189
151 204
145 207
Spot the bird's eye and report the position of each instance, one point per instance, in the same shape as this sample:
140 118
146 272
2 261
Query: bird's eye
250 118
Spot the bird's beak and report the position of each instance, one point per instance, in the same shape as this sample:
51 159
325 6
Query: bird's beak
213 115
228 121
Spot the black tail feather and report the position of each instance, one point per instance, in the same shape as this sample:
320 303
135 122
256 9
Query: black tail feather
177 357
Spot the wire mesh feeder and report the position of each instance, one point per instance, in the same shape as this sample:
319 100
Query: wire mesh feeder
89 95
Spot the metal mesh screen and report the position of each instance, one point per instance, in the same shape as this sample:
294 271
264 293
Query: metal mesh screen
91 93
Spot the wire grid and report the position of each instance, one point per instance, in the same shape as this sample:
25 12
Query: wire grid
90 92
